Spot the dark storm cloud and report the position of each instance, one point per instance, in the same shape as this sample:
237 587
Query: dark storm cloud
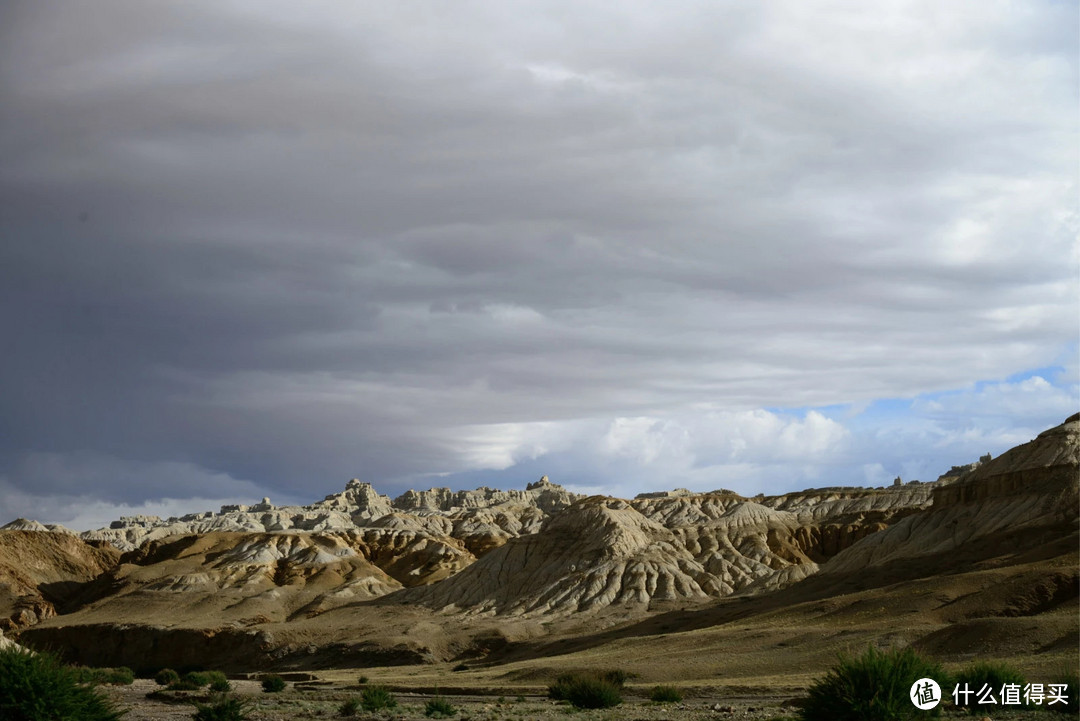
289 244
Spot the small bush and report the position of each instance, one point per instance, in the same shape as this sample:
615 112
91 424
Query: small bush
220 685
564 682
349 708
273 683
593 693
377 697
977 675
362 680
166 676
115 676
616 676
439 708
665 694
183 685
199 678
226 709
589 689
37 687
871 687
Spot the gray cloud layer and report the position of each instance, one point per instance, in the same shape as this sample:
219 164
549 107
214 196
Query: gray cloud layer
290 243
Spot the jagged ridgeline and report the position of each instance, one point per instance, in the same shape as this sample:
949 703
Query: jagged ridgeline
246 582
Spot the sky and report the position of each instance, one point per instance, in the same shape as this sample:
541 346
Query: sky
257 249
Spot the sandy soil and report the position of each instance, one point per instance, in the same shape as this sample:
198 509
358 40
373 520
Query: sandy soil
306 701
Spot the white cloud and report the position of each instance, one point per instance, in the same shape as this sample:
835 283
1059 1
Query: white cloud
1026 403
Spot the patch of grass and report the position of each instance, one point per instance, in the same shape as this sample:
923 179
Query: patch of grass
220 685
870 687
37 687
362 680
272 683
979 675
665 694
377 697
349 708
122 676
183 685
439 708
589 689
225 709
166 676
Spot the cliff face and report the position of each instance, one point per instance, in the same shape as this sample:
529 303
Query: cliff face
1027 496
43 572
1048 464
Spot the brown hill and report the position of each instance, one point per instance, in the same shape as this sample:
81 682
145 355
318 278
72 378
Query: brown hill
43 572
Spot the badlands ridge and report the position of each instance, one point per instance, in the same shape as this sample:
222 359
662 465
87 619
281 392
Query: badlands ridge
487 576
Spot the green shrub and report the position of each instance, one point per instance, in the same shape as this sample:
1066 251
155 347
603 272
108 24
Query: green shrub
273 683
589 689
439 708
594 693
665 694
377 697
37 687
116 676
871 687
166 676
349 708
199 678
183 685
220 685
226 709
616 676
362 680
564 682
977 675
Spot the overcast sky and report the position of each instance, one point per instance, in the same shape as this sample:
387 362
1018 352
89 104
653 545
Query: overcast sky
260 248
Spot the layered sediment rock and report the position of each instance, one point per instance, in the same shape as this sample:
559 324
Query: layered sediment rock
598 552
1028 489
42 572
542 552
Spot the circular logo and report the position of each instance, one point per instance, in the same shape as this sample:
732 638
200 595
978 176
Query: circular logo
925 694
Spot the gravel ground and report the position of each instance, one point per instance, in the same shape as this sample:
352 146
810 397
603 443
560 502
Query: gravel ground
323 703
